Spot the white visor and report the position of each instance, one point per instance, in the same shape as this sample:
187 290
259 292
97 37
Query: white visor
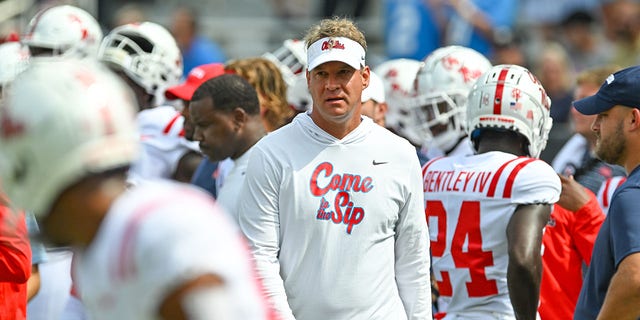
335 49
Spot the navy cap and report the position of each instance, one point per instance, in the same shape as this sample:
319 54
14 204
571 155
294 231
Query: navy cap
620 88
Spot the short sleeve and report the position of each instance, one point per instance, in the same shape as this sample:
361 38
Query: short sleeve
535 183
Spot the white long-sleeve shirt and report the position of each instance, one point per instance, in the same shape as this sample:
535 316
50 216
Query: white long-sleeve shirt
229 194
337 226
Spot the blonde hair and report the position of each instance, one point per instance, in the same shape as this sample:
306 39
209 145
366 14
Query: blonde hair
266 78
596 76
335 27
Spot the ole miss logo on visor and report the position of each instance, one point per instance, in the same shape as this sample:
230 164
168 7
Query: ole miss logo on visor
332 44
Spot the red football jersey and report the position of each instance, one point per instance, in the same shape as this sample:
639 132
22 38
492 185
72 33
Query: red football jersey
15 264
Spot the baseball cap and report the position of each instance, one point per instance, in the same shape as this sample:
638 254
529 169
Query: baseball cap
335 49
195 78
375 90
620 88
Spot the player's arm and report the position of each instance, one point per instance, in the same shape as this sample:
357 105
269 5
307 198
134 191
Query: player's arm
204 297
622 298
259 220
524 236
33 284
412 261
187 166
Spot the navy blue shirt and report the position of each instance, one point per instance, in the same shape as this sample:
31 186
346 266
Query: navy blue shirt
619 237
204 178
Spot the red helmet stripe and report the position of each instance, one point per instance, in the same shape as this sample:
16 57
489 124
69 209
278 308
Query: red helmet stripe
497 97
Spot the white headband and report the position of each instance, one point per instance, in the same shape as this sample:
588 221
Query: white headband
335 49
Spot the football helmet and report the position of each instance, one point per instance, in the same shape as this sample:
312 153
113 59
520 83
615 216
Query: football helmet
398 76
147 53
291 58
14 58
509 97
56 127
65 31
298 94
441 88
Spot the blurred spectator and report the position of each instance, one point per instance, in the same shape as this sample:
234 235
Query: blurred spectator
622 26
196 48
511 52
545 15
555 72
355 10
288 9
480 24
582 40
128 13
412 28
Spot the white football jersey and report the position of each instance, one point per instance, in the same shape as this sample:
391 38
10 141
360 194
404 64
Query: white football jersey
605 193
155 237
463 148
163 144
469 202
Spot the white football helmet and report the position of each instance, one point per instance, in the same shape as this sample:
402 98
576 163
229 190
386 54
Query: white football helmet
441 88
14 58
398 76
61 121
509 97
147 53
65 31
291 58
298 94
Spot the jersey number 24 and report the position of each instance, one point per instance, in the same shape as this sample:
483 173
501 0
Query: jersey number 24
474 258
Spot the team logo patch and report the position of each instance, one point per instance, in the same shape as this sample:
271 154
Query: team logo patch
332 44
516 93
469 75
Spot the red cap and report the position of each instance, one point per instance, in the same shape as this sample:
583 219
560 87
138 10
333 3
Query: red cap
195 78
12 37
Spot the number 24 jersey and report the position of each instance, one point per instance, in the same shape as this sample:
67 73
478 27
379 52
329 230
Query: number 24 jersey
469 202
